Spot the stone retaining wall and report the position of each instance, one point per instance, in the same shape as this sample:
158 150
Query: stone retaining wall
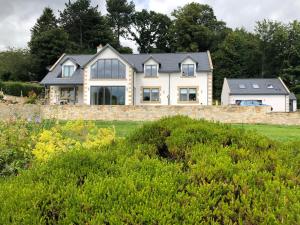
226 114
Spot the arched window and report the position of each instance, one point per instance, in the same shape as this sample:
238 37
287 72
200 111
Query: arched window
108 69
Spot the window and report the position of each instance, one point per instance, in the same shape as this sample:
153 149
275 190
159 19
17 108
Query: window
255 86
151 70
270 86
108 95
188 94
242 86
108 69
68 94
150 94
68 71
188 70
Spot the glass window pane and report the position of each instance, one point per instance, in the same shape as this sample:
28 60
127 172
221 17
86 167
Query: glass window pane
122 70
155 94
120 93
115 69
94 70
107 68
154 70
185 70
107 95
191 70
192 94
146 94
183 94
100 69
114 95
148 70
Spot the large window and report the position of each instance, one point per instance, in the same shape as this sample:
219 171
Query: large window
68 71
108 95
150 94
68 94
108 69
188 94
151 70
188 70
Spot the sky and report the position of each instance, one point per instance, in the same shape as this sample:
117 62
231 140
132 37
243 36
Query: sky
17 17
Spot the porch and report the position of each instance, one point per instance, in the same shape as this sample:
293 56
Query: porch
66 95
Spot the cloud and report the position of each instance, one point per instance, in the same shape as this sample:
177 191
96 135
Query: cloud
18 16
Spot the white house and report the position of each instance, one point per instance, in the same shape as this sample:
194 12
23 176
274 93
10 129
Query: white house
111 78
272 92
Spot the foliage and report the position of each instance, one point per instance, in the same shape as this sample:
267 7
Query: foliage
212 174
15 147
72 135
15 64
150 31
85 25
119 14
48 42
196 28
239 56
20 88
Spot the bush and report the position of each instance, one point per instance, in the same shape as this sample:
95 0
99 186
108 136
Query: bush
17 88
214 174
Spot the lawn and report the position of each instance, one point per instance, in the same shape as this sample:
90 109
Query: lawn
277 132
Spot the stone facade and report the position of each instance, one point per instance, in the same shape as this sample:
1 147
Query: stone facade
225 114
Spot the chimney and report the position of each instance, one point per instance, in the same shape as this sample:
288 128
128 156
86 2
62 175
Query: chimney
99 48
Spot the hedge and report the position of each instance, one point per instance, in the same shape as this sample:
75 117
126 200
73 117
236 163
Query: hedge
16 88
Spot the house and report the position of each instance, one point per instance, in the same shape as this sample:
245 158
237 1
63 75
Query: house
272 92
111 78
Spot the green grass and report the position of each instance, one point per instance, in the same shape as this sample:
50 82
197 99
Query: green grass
276 132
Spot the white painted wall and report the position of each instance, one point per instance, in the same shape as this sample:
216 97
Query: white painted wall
294 105
278 102
225 93
88 82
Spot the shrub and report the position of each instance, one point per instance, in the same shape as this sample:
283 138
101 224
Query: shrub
214 174
71 136
16 88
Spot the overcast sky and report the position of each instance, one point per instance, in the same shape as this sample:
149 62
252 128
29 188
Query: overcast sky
18 16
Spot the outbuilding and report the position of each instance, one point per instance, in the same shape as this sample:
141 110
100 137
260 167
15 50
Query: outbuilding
271 92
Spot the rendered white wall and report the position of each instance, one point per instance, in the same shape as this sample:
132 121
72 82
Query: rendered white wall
225 93
278 102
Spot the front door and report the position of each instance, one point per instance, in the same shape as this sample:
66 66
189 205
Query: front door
107 95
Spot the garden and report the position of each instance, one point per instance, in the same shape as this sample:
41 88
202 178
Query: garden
173 171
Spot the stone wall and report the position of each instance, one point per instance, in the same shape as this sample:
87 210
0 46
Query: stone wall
226 114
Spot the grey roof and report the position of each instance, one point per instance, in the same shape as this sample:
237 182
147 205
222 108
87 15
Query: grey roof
169 62
278 87
54 76
292 96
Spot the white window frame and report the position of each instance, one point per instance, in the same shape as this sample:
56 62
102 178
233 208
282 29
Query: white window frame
188 65
150 93
70 74
188 94
152 66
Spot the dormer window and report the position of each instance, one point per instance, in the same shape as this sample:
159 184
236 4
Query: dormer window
151 70
255 86
68 70
188 70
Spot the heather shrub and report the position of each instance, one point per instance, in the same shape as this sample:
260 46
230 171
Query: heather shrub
173 171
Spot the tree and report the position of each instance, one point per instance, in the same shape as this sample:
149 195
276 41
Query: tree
48 41
238 56
15 65
150 31
85 26
119 14
196 28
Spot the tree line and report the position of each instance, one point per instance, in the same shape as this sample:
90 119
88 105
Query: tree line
271 50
